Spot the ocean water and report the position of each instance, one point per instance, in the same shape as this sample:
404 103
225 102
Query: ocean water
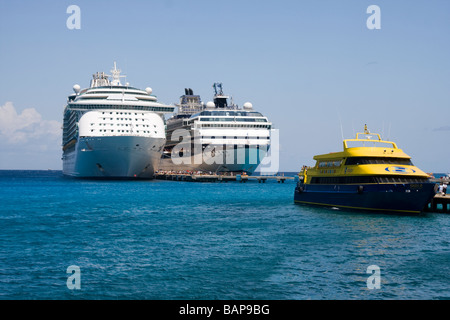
169 240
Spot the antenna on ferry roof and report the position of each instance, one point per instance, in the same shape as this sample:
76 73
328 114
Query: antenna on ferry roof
389 133
340 122
366 131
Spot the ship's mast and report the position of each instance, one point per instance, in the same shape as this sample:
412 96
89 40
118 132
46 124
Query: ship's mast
116 76
220 100
218 89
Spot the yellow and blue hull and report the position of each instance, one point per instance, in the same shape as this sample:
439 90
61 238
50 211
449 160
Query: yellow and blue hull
401 198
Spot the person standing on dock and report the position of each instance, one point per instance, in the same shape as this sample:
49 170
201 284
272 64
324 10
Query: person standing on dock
444 189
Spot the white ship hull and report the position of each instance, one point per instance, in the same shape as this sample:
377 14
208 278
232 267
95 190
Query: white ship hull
113 157
224 161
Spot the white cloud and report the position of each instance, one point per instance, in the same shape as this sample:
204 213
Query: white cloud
27 141
27 126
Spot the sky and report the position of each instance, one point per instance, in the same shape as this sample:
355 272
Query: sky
313 67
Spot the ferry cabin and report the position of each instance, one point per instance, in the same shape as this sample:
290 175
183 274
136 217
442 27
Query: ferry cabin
364 165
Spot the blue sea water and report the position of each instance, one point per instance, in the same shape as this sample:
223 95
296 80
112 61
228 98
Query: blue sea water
185 240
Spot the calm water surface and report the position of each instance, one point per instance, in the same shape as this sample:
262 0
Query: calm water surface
185 240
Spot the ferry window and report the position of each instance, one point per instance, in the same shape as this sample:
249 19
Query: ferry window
366 179
377 160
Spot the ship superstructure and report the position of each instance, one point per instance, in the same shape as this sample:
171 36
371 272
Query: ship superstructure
215 137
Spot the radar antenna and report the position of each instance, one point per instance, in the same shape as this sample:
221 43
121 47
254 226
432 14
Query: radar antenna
218 88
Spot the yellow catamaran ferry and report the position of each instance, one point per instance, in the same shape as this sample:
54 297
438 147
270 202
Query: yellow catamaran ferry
369 174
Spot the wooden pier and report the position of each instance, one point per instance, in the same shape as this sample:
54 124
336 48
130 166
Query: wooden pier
440 203
218 177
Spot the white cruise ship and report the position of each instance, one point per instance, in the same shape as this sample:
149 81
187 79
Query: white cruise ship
215 137
112 130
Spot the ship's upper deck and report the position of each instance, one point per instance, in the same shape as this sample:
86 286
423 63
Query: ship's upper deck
111 94
366 144
218 114
367 156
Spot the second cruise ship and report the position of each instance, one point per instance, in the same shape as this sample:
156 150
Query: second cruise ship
112 130
215 137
